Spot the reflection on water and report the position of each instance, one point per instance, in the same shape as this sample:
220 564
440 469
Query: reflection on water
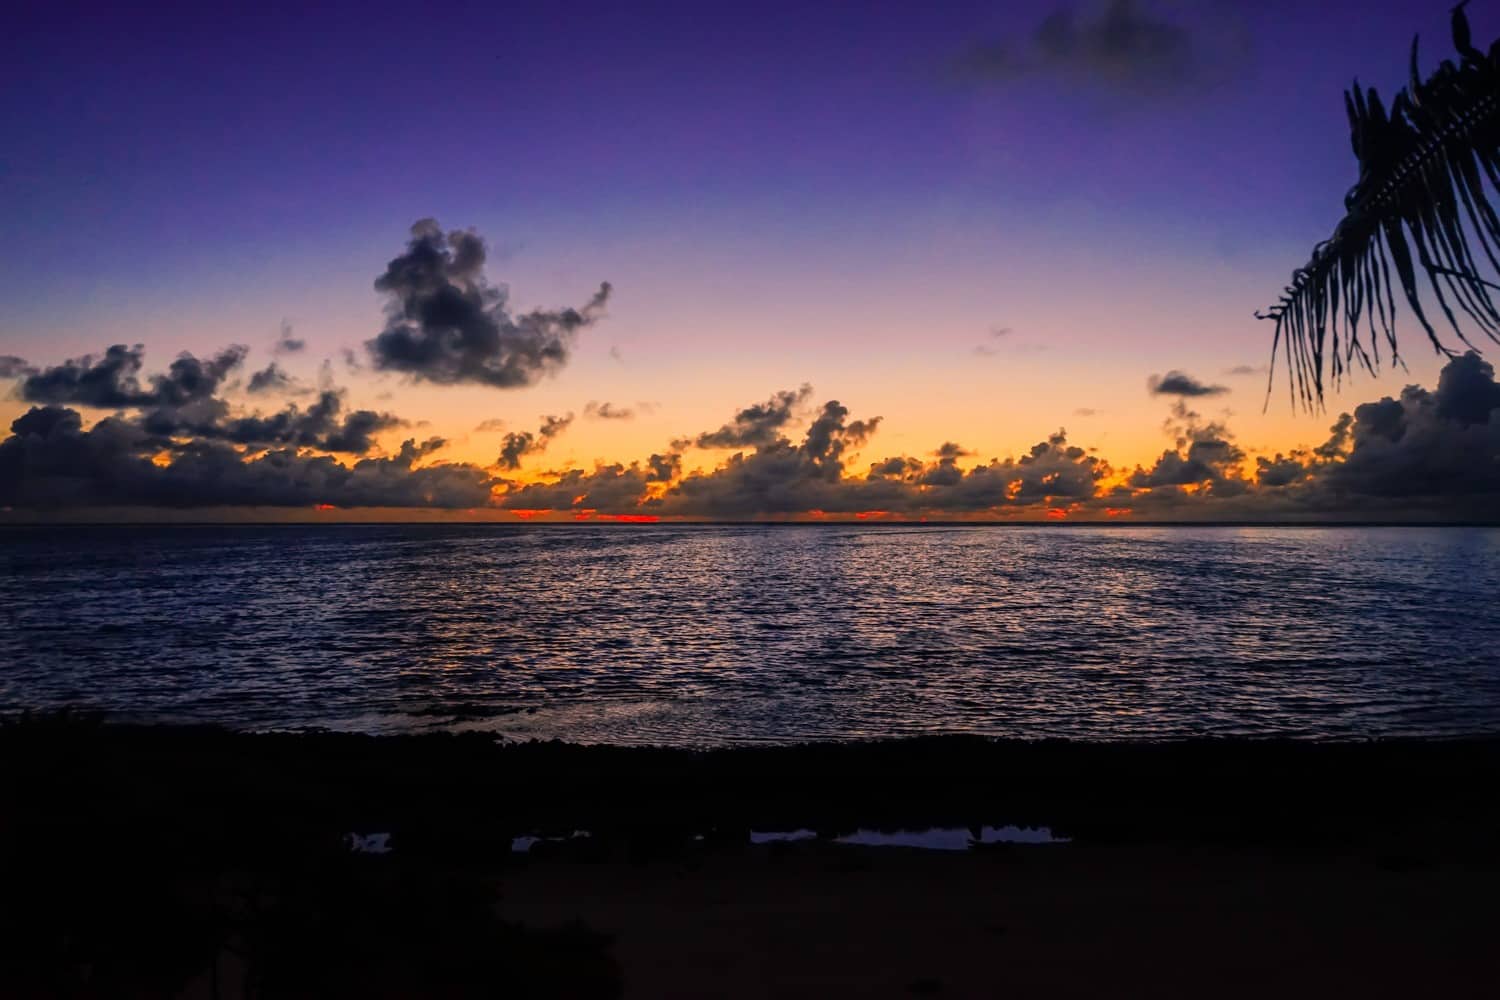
952 838
704 635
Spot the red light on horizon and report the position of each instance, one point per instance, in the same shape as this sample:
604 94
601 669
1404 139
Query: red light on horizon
527 514
324 506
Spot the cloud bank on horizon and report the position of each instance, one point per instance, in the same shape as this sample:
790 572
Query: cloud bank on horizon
1425 454
178 440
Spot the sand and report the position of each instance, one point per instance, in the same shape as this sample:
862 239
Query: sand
138 860
817 921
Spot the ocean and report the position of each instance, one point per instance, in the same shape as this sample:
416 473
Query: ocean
708 635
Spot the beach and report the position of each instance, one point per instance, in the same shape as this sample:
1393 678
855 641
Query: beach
1232 867
1140 920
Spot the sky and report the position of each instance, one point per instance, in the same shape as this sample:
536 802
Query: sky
995 227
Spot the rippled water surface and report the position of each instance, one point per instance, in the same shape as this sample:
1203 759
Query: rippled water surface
706 635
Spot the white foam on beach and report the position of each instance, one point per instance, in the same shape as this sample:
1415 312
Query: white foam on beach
952 838
781 836
523 845
368 843
932 839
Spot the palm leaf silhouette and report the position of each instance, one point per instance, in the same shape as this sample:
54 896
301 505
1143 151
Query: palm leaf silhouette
1415 217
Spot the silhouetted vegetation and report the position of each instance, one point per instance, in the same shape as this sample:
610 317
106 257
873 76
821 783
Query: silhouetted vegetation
138 863
1422 167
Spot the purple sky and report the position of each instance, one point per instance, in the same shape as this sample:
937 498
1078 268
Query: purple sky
852 195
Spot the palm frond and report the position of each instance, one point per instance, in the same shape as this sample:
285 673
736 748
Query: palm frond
1420 214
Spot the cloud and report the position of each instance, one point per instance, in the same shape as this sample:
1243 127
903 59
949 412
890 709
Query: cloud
519 444
1421 454
356 435
286 343
445 323
1176 383
1205 456
322 425
781 478
1239 371
14 367
271 378
1121 45
1002 340
112 381
183 402
758 424
1423 444
663 468
490 426
607 411
1084 411
51 462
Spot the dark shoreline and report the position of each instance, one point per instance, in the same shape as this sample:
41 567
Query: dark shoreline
825 523
198 862
473 788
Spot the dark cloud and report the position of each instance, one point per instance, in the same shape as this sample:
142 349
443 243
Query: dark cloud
1176 383
663 468
1052 472
759 424
608 411
271 379
356 435
183 402
322 425
14 367
519 444
1421 454
950 450
1123 45
1205 456
491 426
109 382
446 323
781 477
1210 461
50 462
286 343
112 381
1424 444
896 467
609 488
